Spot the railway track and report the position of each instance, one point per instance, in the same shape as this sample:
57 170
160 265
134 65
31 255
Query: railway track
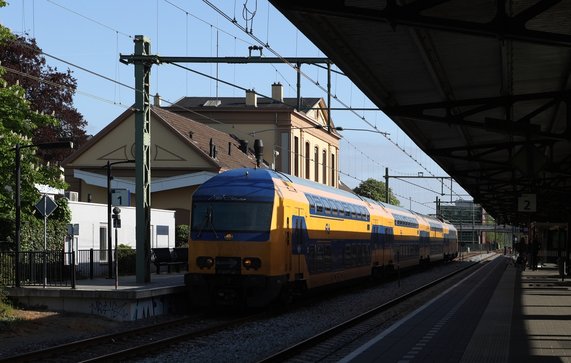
158 338
327 345
131 343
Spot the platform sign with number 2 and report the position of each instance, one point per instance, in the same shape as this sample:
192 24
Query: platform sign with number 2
526 203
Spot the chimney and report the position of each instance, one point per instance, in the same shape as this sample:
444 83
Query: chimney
278 92
244 146
157 100
251 98
258 151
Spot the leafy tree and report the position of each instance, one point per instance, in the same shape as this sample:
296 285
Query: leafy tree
182 234
48 91
18 124
375 190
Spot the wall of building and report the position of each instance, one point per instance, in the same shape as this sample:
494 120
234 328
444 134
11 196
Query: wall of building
92 221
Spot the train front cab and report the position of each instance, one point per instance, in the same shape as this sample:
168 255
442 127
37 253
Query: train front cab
236 254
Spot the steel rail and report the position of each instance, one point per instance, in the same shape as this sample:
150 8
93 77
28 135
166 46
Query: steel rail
311 342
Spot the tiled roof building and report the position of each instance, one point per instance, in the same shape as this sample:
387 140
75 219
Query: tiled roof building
199 137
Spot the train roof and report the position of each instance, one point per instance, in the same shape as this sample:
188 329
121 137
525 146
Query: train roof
318 186
249 183
256 184
238 185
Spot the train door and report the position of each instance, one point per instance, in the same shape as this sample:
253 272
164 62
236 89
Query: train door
424 250
377 245
299 246
388 241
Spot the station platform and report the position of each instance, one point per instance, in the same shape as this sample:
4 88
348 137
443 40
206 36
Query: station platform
502 315
528 319
125 300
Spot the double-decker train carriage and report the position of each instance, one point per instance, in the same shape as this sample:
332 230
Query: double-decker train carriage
257 235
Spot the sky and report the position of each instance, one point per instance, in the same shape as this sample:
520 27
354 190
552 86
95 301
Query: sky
87 37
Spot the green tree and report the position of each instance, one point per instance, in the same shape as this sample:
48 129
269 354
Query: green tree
48 90
375 190
18 122
182 235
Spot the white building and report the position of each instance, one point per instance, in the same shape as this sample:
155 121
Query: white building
90 232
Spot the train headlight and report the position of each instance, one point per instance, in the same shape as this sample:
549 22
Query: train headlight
251 262
204 262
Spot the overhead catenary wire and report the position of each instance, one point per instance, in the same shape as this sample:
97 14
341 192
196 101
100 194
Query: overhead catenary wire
415 159
68 88
172 104
116 81
321 164
229 34
89 19
223 14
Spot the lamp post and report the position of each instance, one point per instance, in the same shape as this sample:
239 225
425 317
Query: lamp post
109 215
17 149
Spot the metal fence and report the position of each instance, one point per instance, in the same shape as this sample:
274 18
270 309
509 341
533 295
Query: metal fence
54 268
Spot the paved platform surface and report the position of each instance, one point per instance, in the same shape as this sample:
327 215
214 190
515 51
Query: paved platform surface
130 282
541 323
500 314
528 319
125 284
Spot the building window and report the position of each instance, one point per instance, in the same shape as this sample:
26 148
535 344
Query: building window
307 160
324 161
316 161
332 169
296 156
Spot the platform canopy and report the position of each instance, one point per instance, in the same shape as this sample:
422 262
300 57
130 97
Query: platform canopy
481 86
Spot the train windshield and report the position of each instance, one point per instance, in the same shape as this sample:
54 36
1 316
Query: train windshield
224 216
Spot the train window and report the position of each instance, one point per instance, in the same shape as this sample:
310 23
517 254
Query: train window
311 203
348 257
341 209
335 207
319 205
311 251
327 205
347 210
365 214
353 212
327 257
231 216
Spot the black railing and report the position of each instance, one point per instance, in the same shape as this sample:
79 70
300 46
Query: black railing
54 268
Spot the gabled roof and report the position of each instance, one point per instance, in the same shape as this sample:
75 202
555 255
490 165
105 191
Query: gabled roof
195 134
198 136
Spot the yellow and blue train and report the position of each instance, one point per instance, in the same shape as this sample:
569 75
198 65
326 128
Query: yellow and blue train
258 235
